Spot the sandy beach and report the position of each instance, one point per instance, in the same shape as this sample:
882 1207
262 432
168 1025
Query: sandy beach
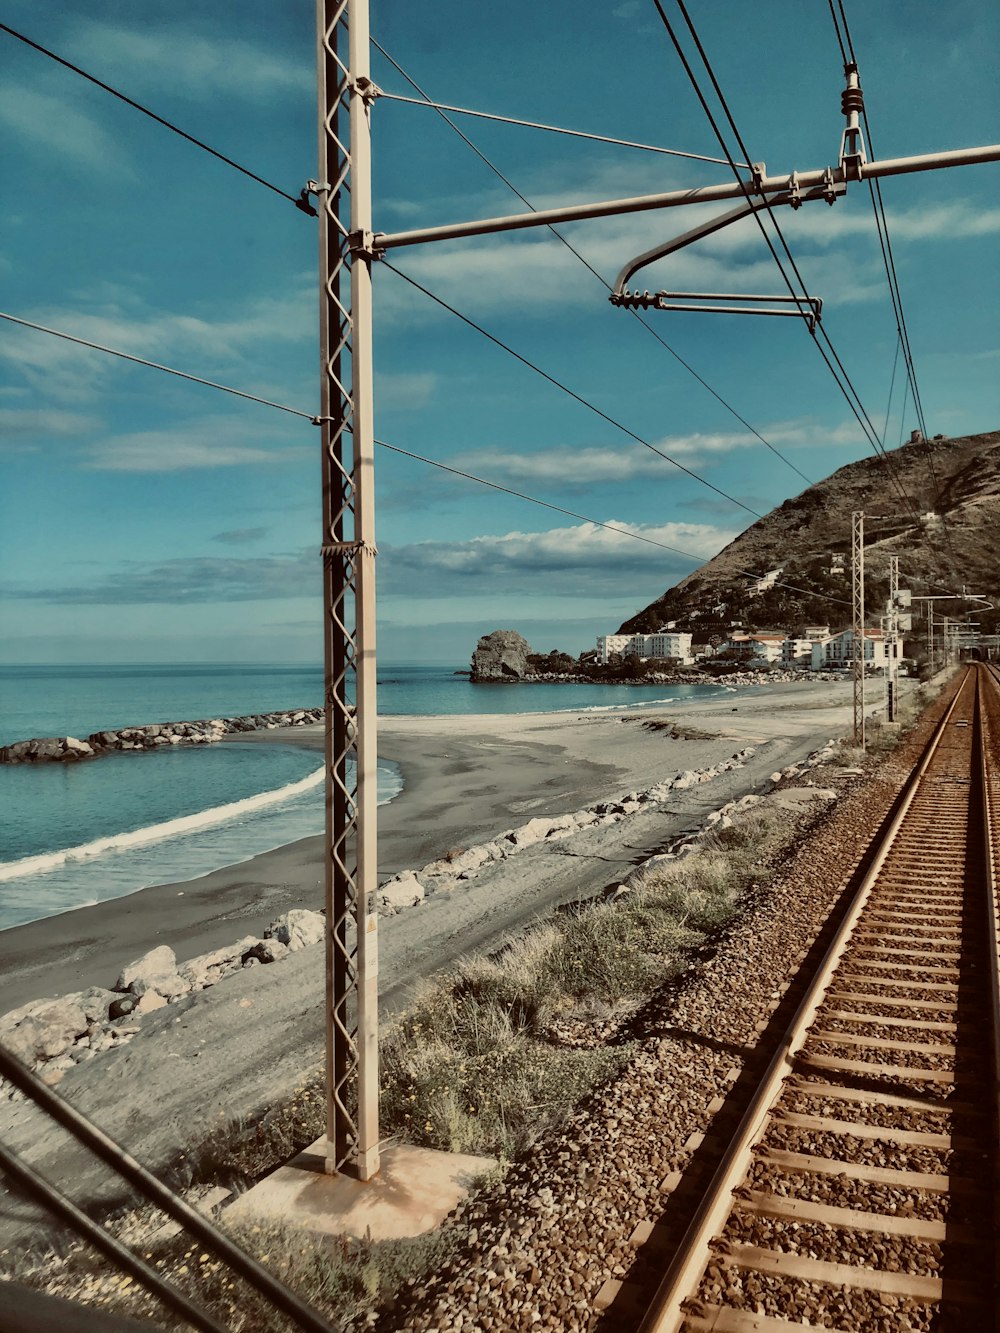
466 779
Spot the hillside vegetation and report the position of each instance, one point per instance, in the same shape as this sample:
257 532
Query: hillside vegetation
947 537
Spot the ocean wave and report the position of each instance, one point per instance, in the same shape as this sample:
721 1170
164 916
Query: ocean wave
116 842
617 708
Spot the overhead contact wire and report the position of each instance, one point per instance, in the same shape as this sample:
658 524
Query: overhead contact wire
888 258
845 384
892 279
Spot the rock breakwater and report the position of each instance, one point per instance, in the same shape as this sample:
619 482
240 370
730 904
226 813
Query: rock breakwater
68 749
52 1035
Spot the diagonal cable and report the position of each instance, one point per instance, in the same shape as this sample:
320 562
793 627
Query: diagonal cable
302 202
558 384
152 365
570 513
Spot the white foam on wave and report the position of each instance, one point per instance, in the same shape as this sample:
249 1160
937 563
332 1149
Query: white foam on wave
617 708
170 828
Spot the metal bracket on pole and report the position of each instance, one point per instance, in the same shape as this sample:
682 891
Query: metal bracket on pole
364 87
852 144
805 308
363 245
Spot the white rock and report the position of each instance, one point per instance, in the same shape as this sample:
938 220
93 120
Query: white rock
157 963
403 890
48 1032
460 863
563 824
266 951
82 748
661 859
528 834
298 928
208 968
149 1001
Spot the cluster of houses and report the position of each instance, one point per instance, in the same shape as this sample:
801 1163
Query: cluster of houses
815 650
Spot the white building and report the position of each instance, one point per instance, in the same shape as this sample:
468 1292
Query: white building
759 648
609 645
797 652
765 583
767 647
662 644
837 651
668 644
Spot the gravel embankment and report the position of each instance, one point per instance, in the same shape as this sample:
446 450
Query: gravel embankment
538 1248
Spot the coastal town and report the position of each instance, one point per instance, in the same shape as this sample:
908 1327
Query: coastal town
814 649
671 654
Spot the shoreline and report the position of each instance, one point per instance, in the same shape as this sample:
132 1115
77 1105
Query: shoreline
242 1043
465 777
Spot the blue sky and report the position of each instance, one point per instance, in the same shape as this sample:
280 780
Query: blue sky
147 519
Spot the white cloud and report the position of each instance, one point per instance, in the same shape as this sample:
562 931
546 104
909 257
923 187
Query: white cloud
581 466
57 126
42 421
404 389
206 443
208 347
559 561
930 223
189 580
180 61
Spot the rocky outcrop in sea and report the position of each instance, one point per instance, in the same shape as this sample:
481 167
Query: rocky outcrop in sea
502 655
68 749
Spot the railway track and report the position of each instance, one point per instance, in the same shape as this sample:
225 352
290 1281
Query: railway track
859 1192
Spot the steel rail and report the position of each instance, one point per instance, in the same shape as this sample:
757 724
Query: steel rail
665 1314
990 782
704 194
127 1168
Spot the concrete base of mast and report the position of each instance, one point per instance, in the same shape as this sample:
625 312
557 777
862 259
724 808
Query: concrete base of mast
414 1191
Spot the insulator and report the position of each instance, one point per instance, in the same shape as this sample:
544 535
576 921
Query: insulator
852 99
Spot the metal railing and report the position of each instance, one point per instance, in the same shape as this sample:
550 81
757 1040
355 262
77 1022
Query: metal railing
27 1180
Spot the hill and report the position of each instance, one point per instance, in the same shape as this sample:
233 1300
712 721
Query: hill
946 534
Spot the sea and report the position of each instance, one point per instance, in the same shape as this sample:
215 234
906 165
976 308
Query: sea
76 834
